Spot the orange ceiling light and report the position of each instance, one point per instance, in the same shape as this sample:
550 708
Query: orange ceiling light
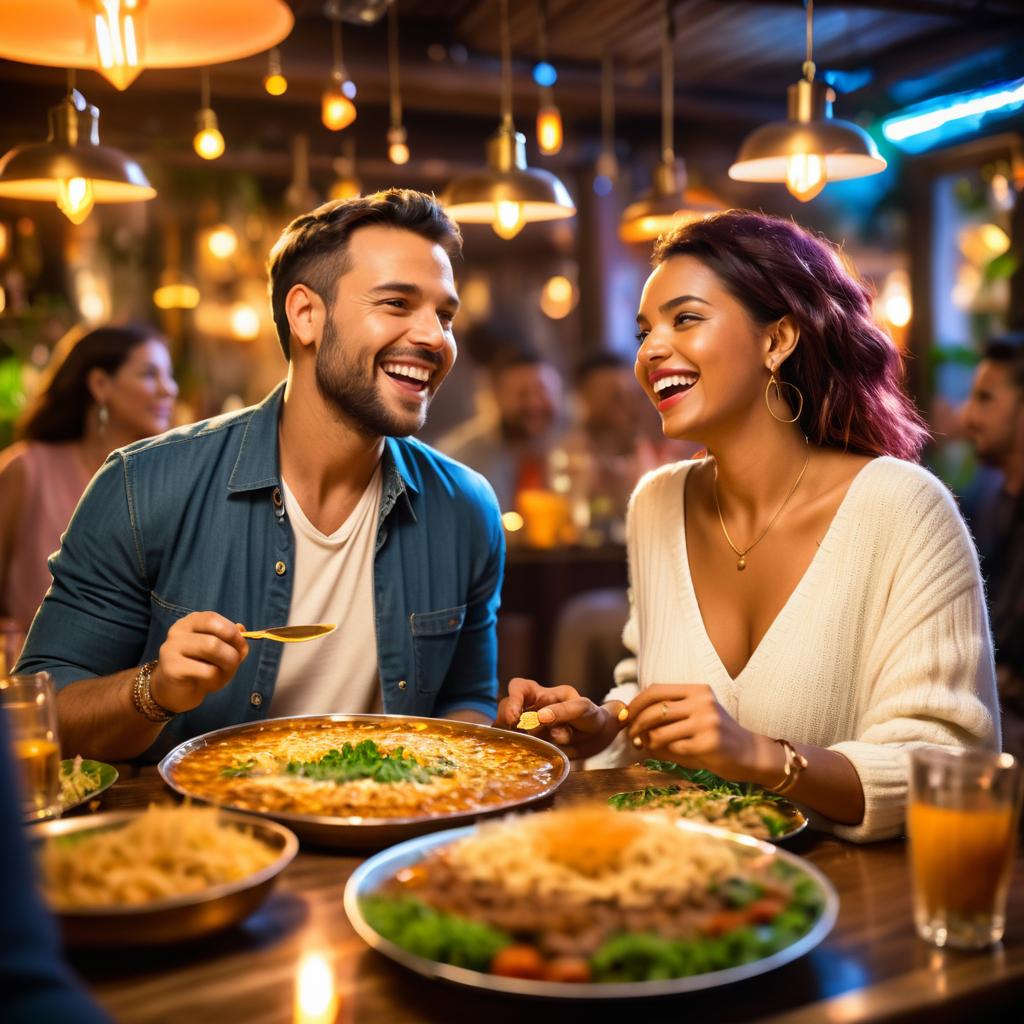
120 38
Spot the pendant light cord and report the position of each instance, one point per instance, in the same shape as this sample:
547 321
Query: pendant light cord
608 103
396 89
205 88
808 67
506 70
339 62
667 87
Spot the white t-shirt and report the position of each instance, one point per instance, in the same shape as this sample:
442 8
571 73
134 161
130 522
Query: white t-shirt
333 582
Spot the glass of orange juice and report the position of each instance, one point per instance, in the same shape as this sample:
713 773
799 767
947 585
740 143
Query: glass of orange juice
30 704
962 827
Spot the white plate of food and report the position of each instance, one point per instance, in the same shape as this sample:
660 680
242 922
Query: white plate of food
166 874
587 903
365 780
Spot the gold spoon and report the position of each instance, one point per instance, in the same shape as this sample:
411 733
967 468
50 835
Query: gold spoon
291 634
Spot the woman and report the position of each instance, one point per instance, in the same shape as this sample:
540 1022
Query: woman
104 389
806 599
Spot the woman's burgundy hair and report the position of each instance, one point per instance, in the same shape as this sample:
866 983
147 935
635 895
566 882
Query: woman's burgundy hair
847 367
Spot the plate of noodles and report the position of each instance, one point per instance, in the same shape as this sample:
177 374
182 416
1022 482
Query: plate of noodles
82 780
587 903
365 780
702 796
161 875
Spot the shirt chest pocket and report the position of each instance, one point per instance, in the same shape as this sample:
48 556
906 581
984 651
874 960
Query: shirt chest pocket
435 636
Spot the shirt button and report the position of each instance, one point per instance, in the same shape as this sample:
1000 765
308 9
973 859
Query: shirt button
280 568
256 699
402 684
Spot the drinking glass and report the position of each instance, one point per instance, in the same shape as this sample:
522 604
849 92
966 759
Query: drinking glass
30 704
962 827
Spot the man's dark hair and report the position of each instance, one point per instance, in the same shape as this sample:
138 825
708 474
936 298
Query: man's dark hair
1008 351
313 249
600 361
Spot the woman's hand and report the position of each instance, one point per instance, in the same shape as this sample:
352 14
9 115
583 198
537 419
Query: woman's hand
201 654
574 723
685 723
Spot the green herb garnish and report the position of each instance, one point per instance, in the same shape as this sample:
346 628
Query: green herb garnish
641 797
366 760
239 769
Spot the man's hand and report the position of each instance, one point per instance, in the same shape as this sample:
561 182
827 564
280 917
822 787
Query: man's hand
574 723
201 654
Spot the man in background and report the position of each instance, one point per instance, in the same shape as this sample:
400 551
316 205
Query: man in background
994 424
510 445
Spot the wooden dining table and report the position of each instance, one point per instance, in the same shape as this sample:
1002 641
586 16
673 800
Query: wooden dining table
872 967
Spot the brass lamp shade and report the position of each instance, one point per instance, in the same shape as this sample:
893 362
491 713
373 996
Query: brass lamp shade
846 150
668 204
173 33
472 198
35 171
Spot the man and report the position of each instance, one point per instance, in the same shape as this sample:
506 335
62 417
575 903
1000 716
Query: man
512 451
310 507
994 423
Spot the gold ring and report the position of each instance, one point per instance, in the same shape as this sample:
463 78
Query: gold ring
664 709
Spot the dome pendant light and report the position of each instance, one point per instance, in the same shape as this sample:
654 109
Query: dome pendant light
71 168
120 38
811 148
507 194
669 202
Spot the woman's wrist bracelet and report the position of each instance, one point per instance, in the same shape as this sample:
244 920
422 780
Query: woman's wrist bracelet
795 764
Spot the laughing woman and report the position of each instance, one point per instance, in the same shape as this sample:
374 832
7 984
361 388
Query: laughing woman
807 605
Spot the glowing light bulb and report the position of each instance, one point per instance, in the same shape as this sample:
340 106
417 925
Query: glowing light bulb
398 147
337 111
549 129
316 995
208 141
345 188
508 219
245 322
805 175
118 31
75 198
222 241
275 84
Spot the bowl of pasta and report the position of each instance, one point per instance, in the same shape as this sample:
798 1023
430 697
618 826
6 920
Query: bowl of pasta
166 874
587 903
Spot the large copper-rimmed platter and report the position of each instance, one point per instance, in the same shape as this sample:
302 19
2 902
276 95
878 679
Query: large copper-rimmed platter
494 771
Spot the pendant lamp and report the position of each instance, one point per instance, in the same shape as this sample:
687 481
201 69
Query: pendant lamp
71 168
669 202
507 194
120 38
398 141
811 147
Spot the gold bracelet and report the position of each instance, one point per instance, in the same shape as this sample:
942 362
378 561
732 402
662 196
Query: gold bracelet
143 699
795 764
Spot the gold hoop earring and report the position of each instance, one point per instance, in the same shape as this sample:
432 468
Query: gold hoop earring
779 385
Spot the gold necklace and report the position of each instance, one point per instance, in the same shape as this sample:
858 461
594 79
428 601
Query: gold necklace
741 556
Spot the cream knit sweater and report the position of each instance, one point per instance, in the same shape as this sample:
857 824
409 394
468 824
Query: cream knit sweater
884 644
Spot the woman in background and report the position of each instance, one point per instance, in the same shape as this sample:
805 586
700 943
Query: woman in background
103 389
806 603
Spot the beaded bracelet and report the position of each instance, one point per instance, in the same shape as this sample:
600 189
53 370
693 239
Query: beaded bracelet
795 764
143 699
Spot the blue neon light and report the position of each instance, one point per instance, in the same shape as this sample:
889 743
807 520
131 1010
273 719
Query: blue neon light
951 115
544 73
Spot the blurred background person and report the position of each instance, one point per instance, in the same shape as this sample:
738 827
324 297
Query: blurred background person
993 419
103 389
510 443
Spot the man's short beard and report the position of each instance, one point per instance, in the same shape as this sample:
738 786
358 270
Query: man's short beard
344 385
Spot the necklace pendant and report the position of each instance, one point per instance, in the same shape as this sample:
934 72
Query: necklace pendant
741 563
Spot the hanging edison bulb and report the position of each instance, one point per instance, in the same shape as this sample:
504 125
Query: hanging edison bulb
509 219
75 198
398 140
274 81
549 124
207 141
805 175
117 26
337 110
398 147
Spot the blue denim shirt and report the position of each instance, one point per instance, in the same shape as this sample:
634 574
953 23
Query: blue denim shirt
193 520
